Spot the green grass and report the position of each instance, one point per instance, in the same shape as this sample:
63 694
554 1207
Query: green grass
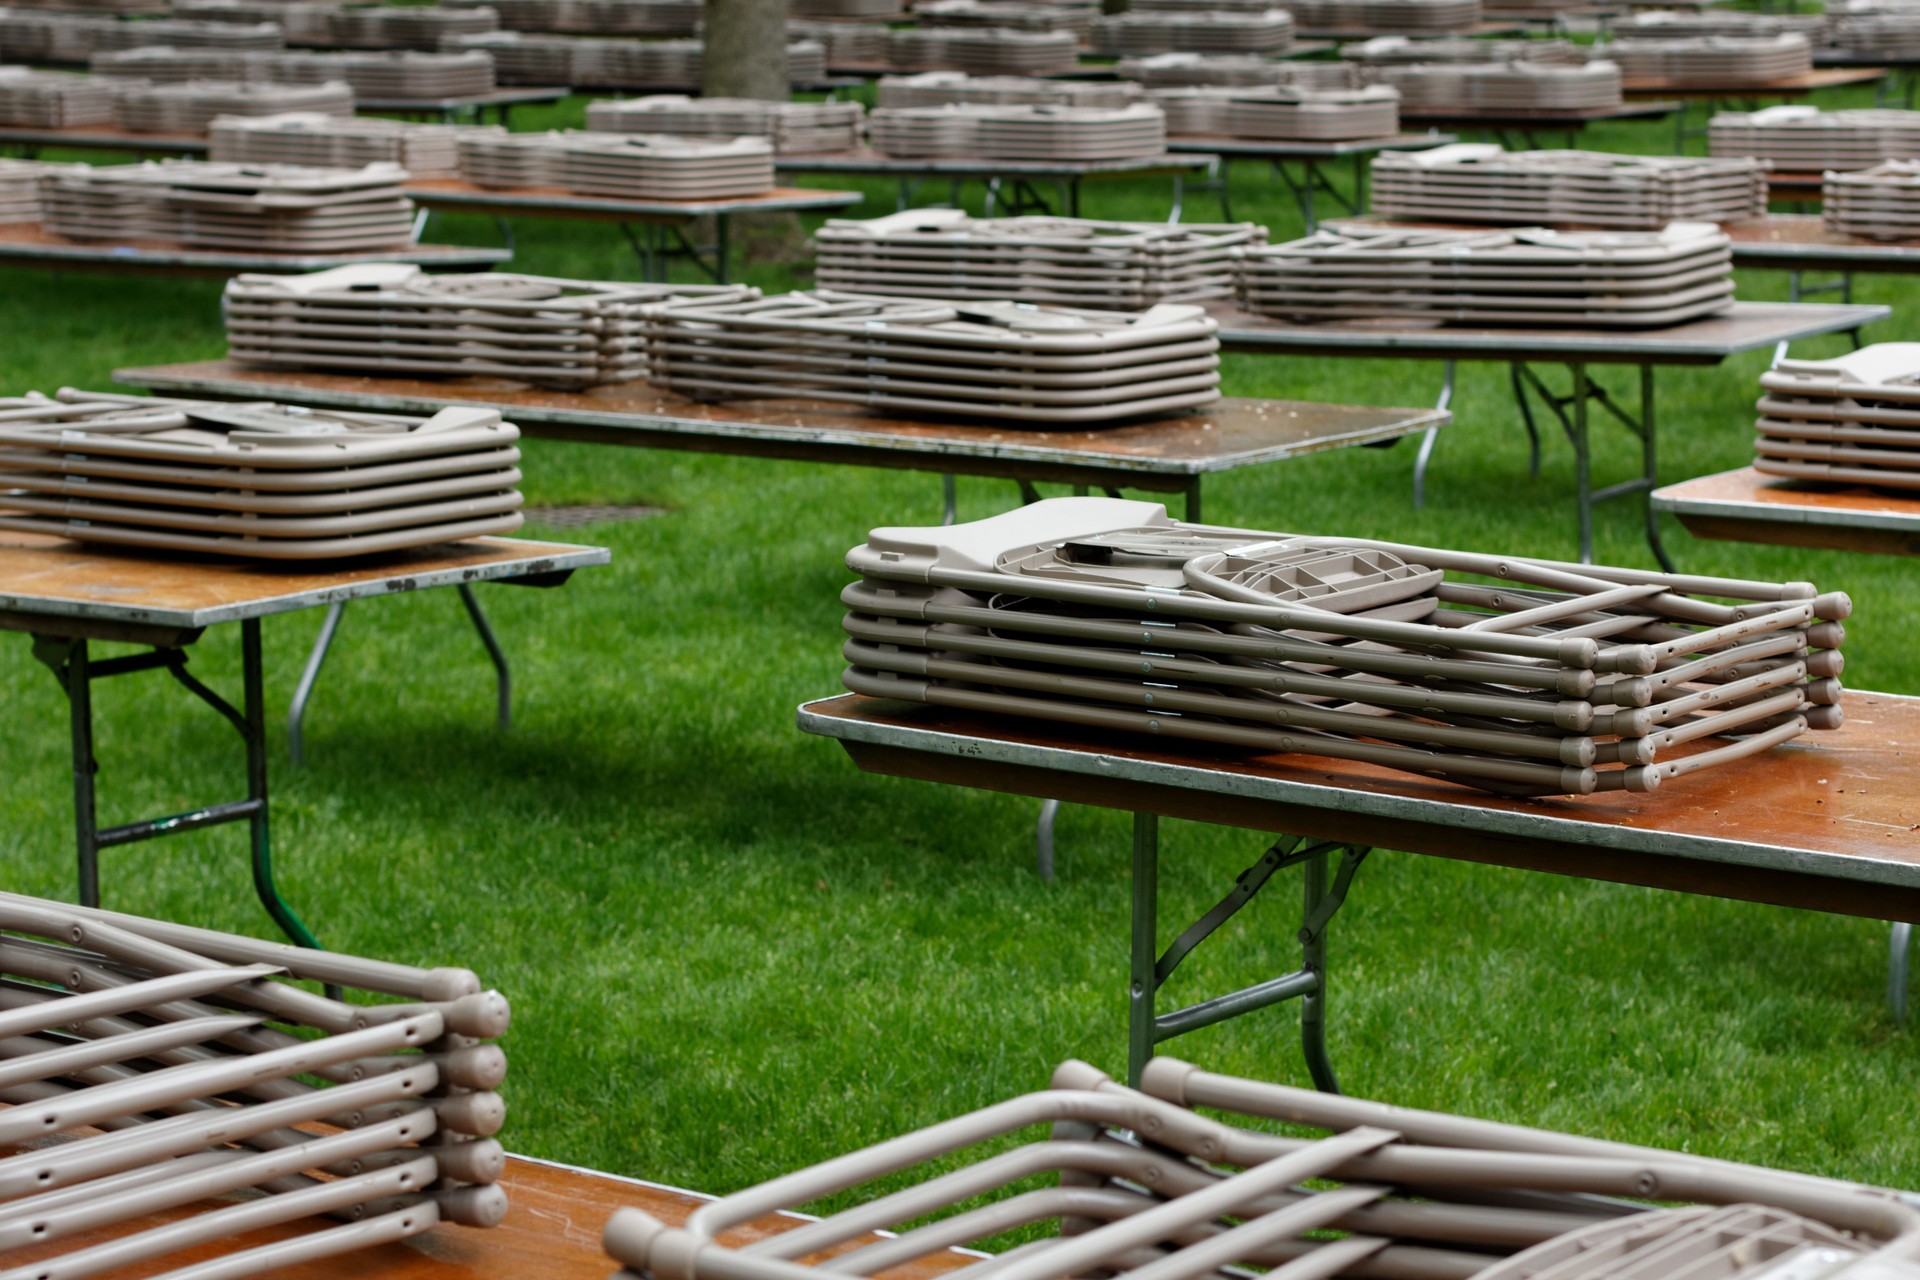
730 952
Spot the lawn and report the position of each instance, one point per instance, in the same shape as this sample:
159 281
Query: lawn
730 952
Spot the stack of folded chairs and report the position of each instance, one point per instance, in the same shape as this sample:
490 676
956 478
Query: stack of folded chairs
621 165
302 22
1498 672
191 106
1020 132
1809 140
1197 1174
1674 24
1529 275
621 63
50 100
260 481
255 208
1384 17
423 150
1712 61
1852 420
20 189
947 88
1873 29
397 319
1479 182
163 64
181 1098
987 51
520 57
792 127
847 44
1207 70
1307 115
1881 203
1075 262
1400 49
1006 362
394 75
600 17
1500 86
259 36
1136 34
845 10
420 27
1010 15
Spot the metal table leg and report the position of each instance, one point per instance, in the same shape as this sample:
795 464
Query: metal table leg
1427 438
1571 410
950 500
1150 968
1898 942
503 677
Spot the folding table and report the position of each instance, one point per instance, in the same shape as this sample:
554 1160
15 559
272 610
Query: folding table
1521 130
1718 96
1165 455
551 1232
66 594
472 107
660 216
1312 159
1747 326
1838 833
102 138
1009 182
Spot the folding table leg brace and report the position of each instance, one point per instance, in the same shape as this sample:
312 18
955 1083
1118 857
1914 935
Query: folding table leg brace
1571 411
1146 1028
71 663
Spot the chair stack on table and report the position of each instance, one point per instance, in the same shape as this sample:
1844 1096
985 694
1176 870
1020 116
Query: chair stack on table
394 75
1500 86
520 57
423 150
255 208
420 27
1529 275
49 100
1881 203
1075 262
1155 1188
845 44
1505 673
189 107
1479 182
163 64
302 22
792 127
1285 113
1384 17
1137 34
945 88
262 481
1208 70
1851 420
397 319
20 189
37 36
1704 62
1008 15
629 166
846 10
1020 132
1400 49
619 62
1674 24
986 51
1005 362
199 1095
1873 28
600 17
1806 139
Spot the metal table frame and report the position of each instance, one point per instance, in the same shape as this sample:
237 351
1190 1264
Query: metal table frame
663 222
1010 184
1522 130
62 629
1330 816
26 245
1312 160
1577 351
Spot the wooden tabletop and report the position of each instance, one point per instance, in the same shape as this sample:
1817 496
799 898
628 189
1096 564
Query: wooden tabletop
1162 454
26 244
45 577
552 1232
1829 821
1793 87
1745 506
1746 326
90 137
555 202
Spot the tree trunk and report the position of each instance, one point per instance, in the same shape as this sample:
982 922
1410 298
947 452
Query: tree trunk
746 49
